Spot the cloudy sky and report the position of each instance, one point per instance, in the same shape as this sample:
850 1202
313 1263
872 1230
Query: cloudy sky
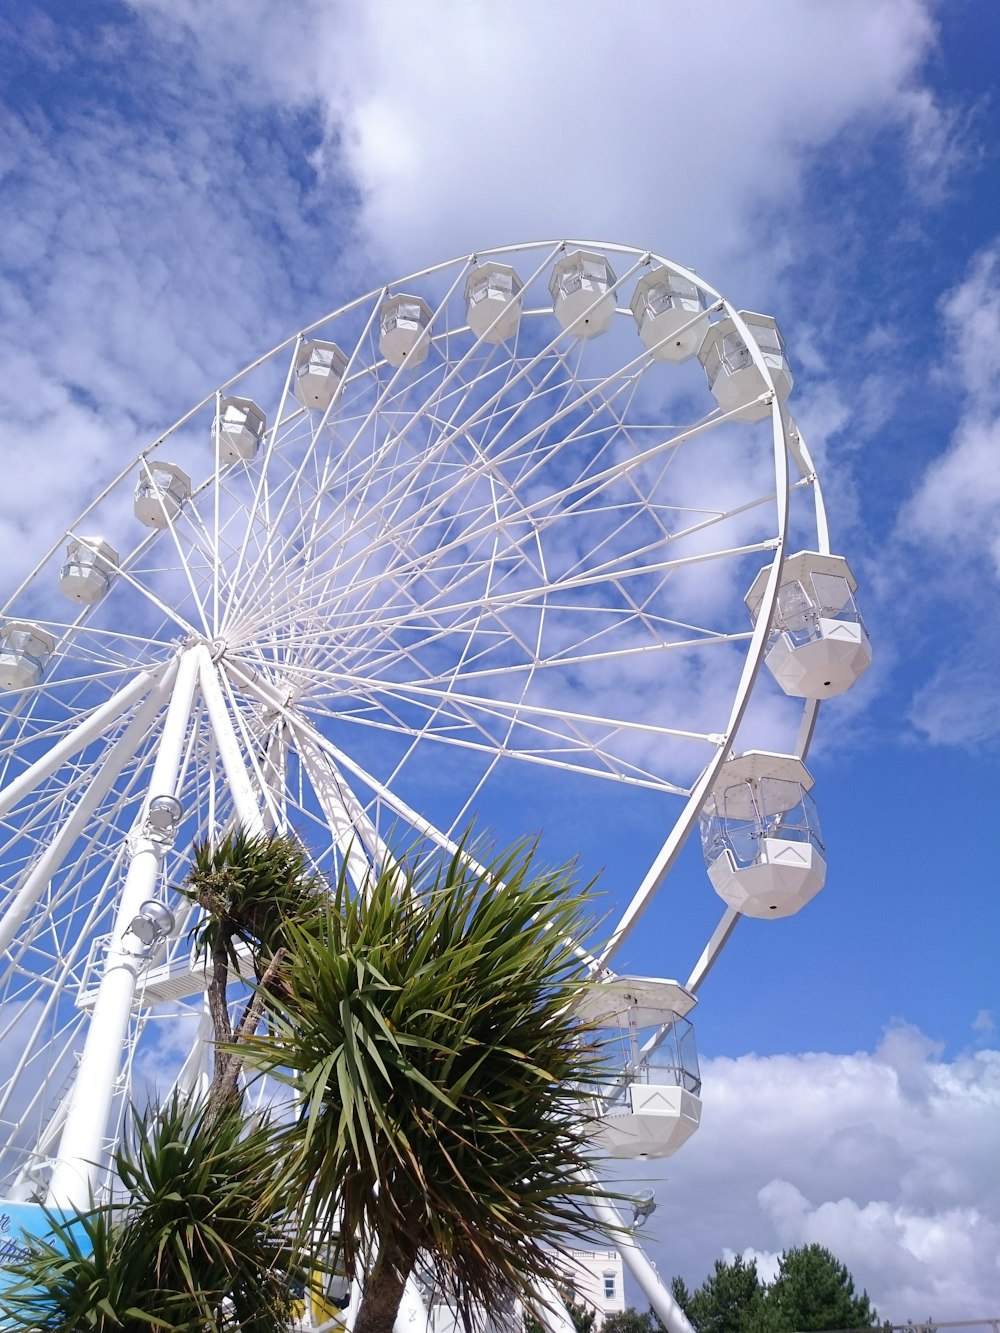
186 182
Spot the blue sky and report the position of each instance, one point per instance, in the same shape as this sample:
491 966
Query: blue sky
183 184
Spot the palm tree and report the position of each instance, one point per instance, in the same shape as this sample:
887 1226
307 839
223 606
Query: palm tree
442 1103
248 885
203 1235
190 1249
444 1083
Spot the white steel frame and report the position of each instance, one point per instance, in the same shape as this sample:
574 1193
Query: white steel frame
422 567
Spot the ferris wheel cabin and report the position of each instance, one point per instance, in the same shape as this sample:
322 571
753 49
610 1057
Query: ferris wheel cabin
818 645
670 314
88 570
491 301
404 330
760 835
735 382
238 430
651 1099
319 369
25 650
582 287
161 491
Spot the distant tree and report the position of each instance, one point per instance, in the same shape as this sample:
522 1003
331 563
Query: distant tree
630 1321
813 1291
583 1316
681 1294
728 1301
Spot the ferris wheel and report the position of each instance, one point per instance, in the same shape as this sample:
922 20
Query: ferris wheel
518 530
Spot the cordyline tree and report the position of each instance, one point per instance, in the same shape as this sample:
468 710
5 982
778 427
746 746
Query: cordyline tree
200 1239
441 1103
429 1029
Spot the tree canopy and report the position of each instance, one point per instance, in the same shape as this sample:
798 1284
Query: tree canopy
812 1290
190 1250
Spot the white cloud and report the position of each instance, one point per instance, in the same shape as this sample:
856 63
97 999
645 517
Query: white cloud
959 704
891 1159
948 531
481 125
955 508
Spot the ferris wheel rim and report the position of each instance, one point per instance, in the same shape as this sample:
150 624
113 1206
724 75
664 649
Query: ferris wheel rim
233 668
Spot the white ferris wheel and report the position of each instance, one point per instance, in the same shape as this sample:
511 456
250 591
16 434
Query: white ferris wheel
522 527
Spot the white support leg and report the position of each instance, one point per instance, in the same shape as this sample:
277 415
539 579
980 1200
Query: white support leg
412 1314
350 827
660 1298
550 1309
81 1149
37 879
82 734
238 779
195 1074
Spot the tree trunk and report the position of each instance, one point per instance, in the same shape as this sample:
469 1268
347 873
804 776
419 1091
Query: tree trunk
217 1007
229 1064
383 1289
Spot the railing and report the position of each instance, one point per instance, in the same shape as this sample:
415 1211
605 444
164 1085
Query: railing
928 1326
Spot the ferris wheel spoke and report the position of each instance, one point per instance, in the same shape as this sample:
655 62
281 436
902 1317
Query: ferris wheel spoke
523 712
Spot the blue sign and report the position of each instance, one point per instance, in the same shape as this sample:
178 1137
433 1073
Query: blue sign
19 1223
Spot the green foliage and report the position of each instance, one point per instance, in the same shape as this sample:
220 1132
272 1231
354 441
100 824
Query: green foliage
680 1293
192 1249
631 1320
249 885
730 1299
582 1316
428 1027
814 1290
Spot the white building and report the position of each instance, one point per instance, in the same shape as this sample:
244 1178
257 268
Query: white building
596 1279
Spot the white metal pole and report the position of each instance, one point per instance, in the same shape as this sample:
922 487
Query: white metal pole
82 734
79 1161
650 1284
412 1314
349 826
41 872
240 787
550 1310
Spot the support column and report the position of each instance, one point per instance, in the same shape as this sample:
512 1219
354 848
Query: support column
81 1148
240 785
650 1284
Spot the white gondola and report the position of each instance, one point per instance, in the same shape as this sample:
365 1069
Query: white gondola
88 570
670 315
760 835
160 492
582 287
818 645
238 430
491 301
735 382
651 1103
25 649
404 330
319 369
